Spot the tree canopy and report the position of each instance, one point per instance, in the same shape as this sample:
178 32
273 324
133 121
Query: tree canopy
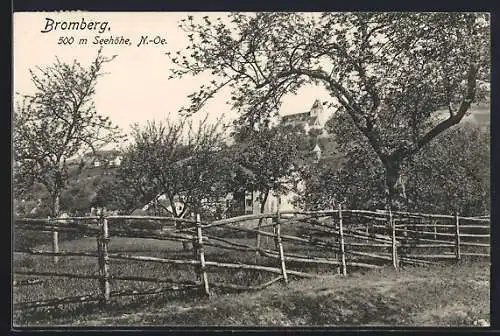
392 73
172 159
269 159
57 123
447 175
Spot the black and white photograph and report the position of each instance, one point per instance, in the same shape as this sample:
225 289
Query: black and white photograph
251 169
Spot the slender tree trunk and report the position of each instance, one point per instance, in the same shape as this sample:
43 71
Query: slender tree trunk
55 234
56 201
188 246
262 208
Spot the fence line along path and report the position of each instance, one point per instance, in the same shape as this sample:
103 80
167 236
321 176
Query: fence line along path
302 244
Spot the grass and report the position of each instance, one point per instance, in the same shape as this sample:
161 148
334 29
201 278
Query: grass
450 294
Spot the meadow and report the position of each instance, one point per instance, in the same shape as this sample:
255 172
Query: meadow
440 295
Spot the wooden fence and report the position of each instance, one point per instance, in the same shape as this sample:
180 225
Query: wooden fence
304 244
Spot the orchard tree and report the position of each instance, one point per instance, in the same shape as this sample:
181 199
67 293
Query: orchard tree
452 174
269 159
447 175
355 177
392 73
172 159
56 123
117 195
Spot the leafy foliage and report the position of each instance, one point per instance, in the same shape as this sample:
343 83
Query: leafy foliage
269 159
452 174
114 195
56 123
352 175
448 175
175 159
390 72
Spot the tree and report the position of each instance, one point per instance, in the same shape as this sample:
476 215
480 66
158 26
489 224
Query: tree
56 123
115 194
452 174
447 175
353 175
269 159
82 191
34 203
391 73
171 159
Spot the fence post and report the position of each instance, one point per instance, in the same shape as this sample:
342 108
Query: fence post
279 243
103 259
202 269
394 242
457 237
342 246
55 240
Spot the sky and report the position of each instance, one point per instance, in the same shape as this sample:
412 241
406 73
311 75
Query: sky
136 87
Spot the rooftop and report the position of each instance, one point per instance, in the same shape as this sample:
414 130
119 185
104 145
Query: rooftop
310 117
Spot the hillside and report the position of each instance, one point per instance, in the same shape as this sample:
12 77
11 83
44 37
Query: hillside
77 196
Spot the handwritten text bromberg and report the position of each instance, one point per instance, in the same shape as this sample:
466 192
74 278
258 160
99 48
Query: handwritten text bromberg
52 25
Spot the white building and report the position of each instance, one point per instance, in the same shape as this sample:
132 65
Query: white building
116 162
315 118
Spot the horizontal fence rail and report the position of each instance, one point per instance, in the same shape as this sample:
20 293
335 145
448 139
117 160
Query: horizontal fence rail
274 246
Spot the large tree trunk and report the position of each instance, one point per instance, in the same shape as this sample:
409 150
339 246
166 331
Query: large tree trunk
392 174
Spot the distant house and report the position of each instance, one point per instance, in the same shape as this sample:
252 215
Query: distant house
116 162
313 122
248 203
102 159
